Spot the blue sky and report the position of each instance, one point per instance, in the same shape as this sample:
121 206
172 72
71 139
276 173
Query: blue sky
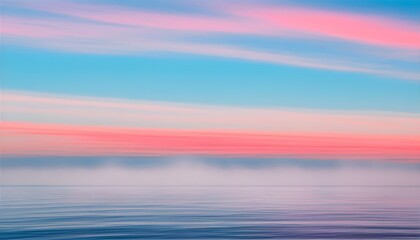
204 80
321 70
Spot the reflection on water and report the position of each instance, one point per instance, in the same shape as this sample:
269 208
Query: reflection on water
229 212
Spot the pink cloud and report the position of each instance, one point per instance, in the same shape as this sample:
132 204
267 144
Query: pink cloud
256 19
97 39
152 20
56 28
360 28
125 31
74 110
63 140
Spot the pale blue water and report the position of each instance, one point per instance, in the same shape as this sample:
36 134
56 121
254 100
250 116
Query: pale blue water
228 212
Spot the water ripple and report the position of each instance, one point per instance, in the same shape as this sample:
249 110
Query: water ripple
209 213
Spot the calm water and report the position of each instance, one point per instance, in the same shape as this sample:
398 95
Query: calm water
267 212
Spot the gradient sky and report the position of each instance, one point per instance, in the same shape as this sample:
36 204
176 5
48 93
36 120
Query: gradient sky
212 88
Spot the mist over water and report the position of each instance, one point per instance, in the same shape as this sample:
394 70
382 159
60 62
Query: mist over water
204 171
210 212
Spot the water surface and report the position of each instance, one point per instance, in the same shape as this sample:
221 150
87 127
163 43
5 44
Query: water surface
209 212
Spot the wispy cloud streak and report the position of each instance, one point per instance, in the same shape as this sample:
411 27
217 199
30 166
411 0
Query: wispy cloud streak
260 19
50 125
47 108
61 140
360 28
116 30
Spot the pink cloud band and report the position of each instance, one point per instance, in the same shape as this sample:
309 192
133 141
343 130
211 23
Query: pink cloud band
117 30
359 28
258 19
56 125
75 110
29 139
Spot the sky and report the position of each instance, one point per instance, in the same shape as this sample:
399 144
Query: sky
210 92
